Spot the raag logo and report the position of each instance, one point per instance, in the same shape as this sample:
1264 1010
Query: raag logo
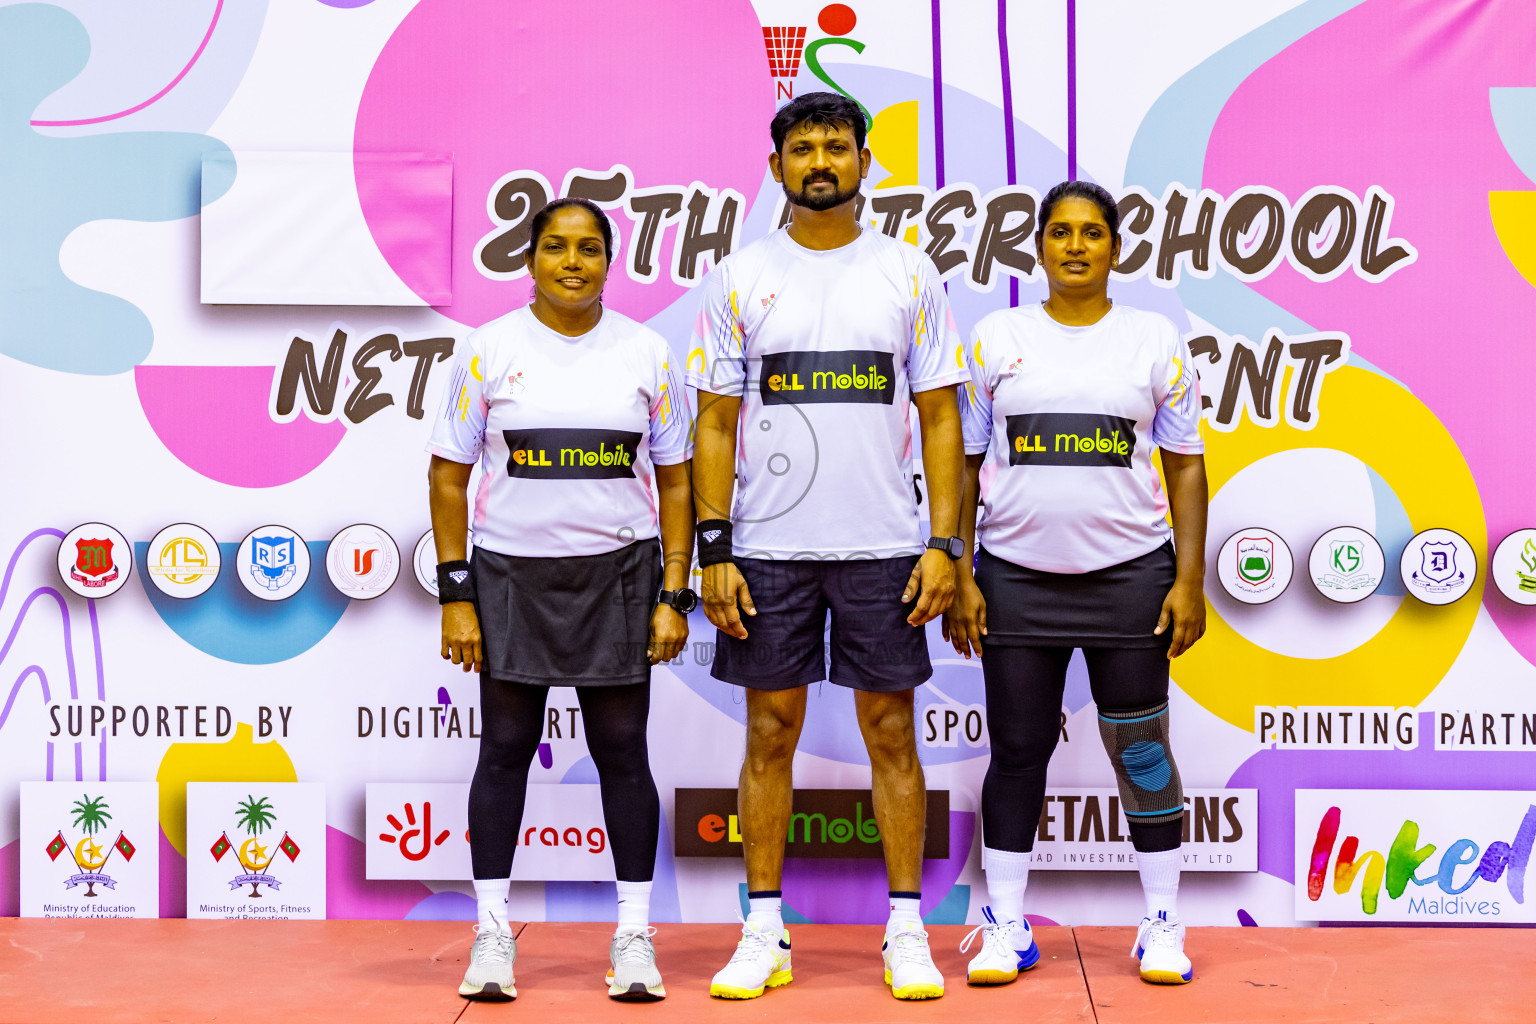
90 816
254 816
826 823
415 842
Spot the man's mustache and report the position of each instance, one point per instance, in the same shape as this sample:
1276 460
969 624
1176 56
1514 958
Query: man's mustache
811 179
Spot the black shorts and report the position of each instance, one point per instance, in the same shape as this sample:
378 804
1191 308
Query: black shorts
581 620
1117 606
872 647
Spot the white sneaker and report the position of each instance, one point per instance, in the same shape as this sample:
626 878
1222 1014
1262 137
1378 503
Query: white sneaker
1160 948
1007 947
490 965
761 961
633 976
909 968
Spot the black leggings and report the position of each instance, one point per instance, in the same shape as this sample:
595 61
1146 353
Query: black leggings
1024 690
614 718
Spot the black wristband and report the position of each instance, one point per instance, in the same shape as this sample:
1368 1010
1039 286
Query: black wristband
714 542
454 582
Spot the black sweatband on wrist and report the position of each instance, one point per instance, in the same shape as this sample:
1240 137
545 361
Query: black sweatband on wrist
714 542
454 582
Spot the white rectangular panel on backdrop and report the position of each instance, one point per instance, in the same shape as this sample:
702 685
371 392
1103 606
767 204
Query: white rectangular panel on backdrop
256 850
290 230
1427 856
1084 829
421 830
90 849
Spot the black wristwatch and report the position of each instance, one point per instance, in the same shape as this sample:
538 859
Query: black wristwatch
682 600
954 547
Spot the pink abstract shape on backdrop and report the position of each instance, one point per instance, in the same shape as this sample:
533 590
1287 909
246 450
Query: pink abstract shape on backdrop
214 419
1410 112
677 99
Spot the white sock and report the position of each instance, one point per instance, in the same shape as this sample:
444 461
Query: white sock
634 906
1160 880
491 898
766 910
905 909
1007 875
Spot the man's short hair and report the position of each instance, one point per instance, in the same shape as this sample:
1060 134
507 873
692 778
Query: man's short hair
826 109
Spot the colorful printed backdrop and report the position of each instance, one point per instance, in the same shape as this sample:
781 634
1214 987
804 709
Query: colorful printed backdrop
1343 230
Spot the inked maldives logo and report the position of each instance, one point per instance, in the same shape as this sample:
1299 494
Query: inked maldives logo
1405 857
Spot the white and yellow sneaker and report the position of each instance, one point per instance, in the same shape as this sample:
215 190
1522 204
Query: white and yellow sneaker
490 965
761 961
632 974
1160 948
1007 948
909 968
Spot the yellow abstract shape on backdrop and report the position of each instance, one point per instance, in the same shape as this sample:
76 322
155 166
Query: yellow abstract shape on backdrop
893 140
241 759
1514 221
1384 426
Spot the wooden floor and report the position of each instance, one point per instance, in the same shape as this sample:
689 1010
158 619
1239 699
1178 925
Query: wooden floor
296 972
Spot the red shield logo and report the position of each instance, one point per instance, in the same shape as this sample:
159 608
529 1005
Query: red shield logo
93 557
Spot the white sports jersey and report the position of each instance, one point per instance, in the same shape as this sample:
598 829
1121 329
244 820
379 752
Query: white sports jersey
825 349
566 431
1068 417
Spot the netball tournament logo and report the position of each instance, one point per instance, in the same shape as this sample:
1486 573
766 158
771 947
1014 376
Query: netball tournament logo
90 816
1514 567
362 561
94 560
183 560
1346 565
254 816
1438 566
1255 565
273 563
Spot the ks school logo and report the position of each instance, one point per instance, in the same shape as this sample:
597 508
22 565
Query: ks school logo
94 560
1346 565
274 563
90 815
255 816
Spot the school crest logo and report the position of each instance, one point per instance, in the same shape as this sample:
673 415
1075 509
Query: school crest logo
1438 566
1255 565
1438 562
94 560
1255 560
254 816
274 563
1347 565
184 560
90 816
1513 567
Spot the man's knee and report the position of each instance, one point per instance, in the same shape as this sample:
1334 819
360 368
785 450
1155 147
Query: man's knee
886 721
774 720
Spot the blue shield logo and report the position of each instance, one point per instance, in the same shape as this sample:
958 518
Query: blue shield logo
272 561
1439 561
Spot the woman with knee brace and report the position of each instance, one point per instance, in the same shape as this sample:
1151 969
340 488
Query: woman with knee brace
569 407
1067 401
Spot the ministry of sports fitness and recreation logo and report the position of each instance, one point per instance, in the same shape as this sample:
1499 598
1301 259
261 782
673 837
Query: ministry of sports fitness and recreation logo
255 815
1514 567
90 816
1346 564
94 560
1438 566
362 561
1254 565
183 560
273 563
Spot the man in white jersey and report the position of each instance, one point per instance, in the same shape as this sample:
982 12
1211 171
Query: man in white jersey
805 353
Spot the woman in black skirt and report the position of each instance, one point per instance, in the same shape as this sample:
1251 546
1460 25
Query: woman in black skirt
570 408
1067 401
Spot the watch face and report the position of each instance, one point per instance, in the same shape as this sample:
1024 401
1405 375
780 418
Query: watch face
685 600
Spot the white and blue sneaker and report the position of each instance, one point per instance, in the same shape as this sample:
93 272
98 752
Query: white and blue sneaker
1160 948
761 961
1007 947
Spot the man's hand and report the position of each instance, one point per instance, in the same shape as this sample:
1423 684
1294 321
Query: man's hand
1184 609
933 584
965 623
461 635
725 597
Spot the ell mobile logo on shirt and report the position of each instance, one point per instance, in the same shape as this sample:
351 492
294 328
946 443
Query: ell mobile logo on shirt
571 453
819 378
1070 439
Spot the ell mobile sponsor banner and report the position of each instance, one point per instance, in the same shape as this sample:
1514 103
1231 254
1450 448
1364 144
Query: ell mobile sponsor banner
1427 856
1085 830
421 830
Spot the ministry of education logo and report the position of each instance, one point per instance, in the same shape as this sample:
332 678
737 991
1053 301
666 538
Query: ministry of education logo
183 560
255 815
1438 566
94 560
363 561
273 563
90 816
1254 565
1346 565
1514 567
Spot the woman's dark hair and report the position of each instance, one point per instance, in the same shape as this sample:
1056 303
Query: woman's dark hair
826 109
541 221
1095 194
